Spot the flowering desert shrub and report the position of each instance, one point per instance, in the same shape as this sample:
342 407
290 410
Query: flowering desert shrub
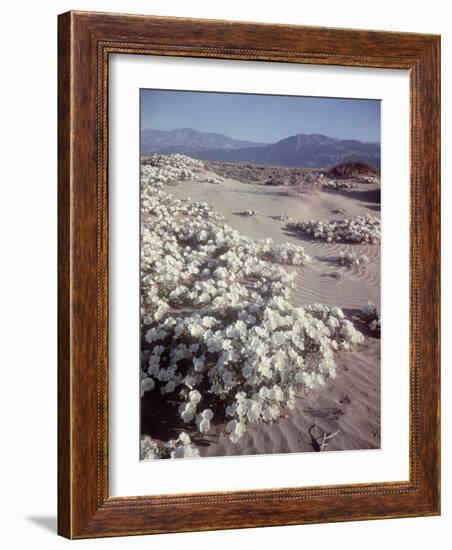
352 258
215 181
372 317
338 184
160 170
220 335
181 447
361 229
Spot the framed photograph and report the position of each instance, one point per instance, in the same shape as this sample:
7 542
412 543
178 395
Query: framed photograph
249 263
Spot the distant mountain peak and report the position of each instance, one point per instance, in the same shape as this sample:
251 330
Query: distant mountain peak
304 150
156 140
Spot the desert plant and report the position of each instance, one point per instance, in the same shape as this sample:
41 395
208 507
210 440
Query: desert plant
352 258
221 336
338 184
372 317
361 229
181 447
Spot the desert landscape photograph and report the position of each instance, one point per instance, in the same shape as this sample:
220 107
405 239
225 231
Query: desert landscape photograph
260 274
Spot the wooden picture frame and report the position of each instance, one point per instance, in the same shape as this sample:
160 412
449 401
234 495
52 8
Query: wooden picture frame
85 42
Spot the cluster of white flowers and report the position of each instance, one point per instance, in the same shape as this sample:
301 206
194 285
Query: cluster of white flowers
181 447
262 353
288 254
361 229
214 180
338 184
160 170
352 258
372 317
220 333
369 179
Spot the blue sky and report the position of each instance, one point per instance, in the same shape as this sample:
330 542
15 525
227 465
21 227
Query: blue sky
265 118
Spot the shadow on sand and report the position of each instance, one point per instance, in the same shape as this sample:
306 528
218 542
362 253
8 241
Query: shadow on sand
357 317
161 420
370 198
288 232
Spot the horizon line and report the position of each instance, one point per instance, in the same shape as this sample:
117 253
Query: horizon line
266 142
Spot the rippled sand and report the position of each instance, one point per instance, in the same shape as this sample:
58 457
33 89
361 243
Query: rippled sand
351 402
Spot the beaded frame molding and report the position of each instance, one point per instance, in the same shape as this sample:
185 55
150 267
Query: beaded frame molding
85 42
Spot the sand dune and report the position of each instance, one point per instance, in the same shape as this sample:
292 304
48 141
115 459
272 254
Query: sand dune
349 403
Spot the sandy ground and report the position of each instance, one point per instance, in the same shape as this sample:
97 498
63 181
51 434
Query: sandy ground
351 402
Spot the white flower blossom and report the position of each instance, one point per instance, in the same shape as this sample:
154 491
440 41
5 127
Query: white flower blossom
219 328
147 384
361 229
352 258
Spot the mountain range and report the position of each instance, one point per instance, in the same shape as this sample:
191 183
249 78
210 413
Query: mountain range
301 150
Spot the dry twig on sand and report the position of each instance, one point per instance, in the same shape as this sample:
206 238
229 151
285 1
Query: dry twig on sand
325 439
